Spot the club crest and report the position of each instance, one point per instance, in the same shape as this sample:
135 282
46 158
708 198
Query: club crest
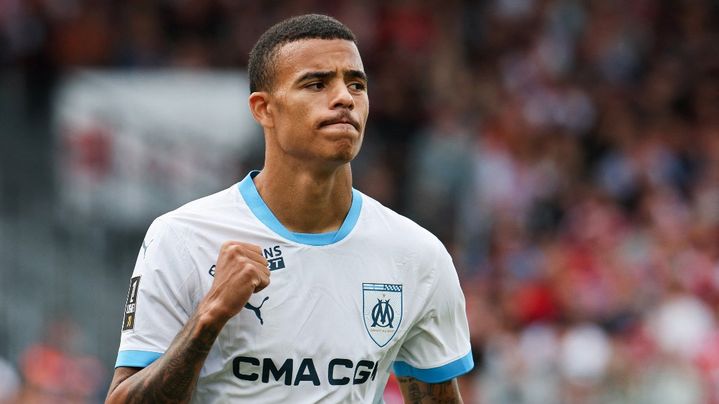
382 310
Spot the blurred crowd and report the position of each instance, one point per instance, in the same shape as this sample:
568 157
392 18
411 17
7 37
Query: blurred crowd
566 152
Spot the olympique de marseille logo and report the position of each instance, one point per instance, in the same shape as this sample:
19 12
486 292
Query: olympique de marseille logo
382 310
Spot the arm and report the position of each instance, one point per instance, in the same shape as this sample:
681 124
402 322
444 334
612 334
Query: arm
241 270
417 392
172 378
437 350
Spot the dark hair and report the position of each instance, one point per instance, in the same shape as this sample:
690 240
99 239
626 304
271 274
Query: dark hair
261 65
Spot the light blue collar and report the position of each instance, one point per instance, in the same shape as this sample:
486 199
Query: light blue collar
264 214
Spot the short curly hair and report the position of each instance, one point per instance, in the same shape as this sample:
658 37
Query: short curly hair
261 65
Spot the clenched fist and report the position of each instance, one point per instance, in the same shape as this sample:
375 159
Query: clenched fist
241 270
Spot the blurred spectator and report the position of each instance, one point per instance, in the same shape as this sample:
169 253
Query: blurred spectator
55 372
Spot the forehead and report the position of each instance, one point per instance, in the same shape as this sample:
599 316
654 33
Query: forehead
299 57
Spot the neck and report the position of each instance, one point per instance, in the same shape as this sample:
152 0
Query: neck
306 200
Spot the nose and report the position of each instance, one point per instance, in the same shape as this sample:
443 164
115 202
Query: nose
341 96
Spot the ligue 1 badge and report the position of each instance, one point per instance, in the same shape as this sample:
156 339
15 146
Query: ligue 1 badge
128 321
382 310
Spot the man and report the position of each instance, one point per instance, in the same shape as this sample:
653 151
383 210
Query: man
356 289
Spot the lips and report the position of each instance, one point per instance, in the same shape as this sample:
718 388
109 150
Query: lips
344 118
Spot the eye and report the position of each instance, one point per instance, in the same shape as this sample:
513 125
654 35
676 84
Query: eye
358 86
317 85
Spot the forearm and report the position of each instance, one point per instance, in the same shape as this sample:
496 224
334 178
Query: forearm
172 378
417 392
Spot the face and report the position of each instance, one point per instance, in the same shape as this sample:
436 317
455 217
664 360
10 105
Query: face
318 106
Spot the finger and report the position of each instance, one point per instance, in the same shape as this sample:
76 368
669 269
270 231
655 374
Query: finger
254 256
251 247
230 243
247 250
264 282
244 246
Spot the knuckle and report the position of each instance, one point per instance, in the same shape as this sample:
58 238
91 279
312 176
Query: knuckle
240 265
227 244
240 257
252 247
252 265
261 286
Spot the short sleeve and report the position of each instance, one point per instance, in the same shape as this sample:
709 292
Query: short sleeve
157 303
437 348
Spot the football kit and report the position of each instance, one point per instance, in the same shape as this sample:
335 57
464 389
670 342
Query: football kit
342 310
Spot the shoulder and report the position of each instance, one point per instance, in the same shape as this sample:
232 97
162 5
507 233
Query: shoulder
202 213
171 242
211 205
398 230
424 262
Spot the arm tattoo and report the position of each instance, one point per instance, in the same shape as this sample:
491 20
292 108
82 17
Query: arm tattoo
172 378
417 392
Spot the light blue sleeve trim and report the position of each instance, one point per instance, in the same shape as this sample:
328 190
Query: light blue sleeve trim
436 375
264 214
136 359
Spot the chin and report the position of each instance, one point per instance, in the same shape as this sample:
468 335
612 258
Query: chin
342 157
344 154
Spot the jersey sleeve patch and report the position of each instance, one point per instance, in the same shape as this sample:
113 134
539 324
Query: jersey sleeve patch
439 374
136 359
128 320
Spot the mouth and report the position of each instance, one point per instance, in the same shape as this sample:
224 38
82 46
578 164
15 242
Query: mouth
344 122
341 125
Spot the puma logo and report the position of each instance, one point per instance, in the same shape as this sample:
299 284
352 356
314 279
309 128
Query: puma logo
145 247
257 309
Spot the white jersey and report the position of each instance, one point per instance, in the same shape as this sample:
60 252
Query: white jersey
342 310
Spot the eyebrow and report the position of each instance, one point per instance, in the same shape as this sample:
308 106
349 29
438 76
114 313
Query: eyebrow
356 74
323 75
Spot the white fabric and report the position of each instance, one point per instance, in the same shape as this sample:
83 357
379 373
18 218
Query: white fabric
314 315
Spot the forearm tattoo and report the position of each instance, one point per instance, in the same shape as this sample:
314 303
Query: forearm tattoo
172 378
417 392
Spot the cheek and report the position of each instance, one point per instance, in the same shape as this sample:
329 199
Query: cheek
363 105
293 115
294 126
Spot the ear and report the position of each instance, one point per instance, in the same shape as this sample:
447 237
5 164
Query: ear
260 107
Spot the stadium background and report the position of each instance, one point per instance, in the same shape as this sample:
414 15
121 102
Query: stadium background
567 153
